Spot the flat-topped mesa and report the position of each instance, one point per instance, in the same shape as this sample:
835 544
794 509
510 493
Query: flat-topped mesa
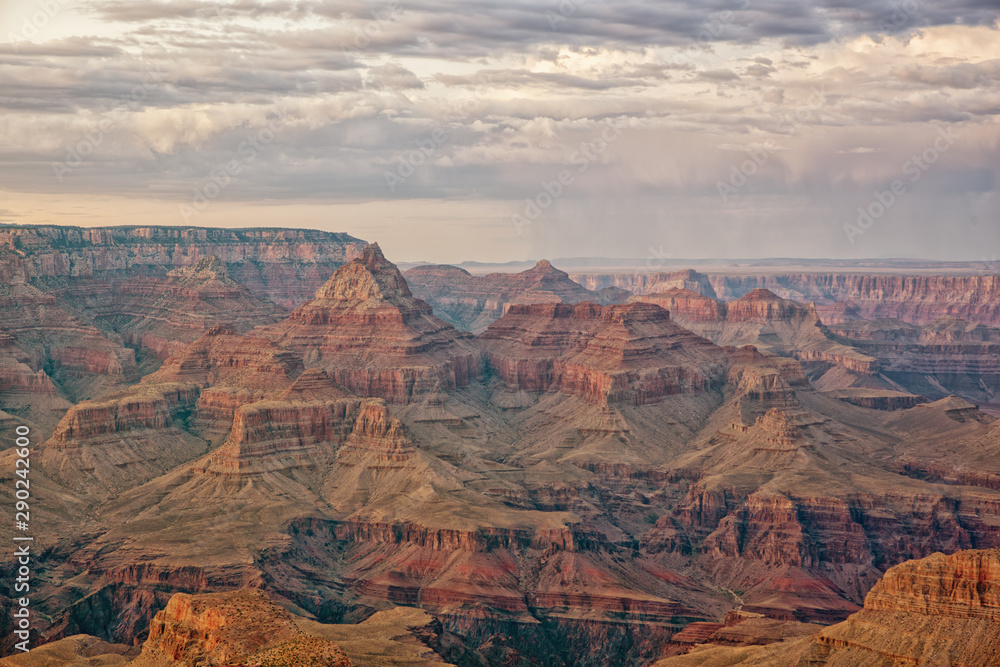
474 302
371 335
275 435
686 305
686 279
122 440
631 353
283 266
764 305
759 305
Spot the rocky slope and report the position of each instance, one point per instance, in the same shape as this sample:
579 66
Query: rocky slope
370 334
940 610
162 315
472 303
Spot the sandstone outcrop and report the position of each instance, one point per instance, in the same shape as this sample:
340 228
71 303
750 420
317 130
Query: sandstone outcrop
940 610
284 266
239 628
769 323
840 296
81 359
122 440
945 356
631 353
163 315
472 303
371 335
611 478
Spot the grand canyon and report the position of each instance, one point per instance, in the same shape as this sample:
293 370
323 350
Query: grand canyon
272 447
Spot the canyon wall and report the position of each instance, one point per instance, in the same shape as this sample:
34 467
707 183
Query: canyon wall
285 266
838 296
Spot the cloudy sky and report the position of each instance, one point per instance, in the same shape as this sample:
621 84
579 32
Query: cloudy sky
506 129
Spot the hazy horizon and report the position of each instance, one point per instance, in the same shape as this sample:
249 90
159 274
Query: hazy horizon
490 131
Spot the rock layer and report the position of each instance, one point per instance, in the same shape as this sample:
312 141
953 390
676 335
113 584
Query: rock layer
472 303
628 353
371 335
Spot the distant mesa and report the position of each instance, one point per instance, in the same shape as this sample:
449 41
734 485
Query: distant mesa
472 303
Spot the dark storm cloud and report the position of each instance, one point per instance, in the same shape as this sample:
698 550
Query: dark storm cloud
480 27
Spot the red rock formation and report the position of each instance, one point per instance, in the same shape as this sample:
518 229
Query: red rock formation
220 357
472 303
372 336
284 266
630 353
122 440
240 628
164 314
81 359
842 296
878 399
762 319
686 305
946 356
268 436
650 283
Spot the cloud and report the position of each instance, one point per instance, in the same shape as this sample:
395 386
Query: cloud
838 93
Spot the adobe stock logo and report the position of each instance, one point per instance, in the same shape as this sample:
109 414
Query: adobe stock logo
883 200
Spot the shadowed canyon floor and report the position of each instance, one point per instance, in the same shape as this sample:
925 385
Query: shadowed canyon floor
578 475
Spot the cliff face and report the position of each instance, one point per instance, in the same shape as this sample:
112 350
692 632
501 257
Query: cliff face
611 477
766 321
472 303
649 282
243 627
162 315
284 266
371 335
945 356
842 296
122 440
628 353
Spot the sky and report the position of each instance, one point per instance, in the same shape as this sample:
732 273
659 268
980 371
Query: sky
498 130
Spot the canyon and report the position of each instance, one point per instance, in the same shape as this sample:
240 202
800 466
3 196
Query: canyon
239 469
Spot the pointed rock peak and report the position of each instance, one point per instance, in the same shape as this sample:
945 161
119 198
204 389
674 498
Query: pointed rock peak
760 294
545 268
370 277
371 256
313 384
